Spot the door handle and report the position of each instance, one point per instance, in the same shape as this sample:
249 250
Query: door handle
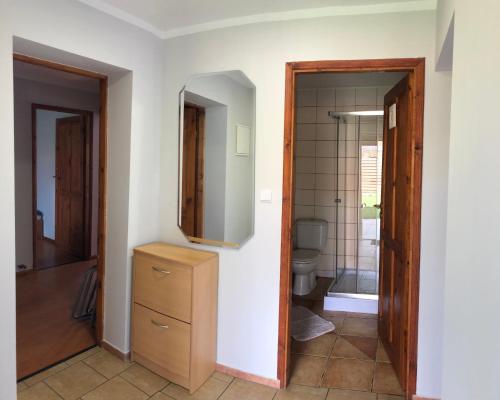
161 270
156 323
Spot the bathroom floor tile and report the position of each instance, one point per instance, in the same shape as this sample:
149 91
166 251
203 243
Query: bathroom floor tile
144 379
385 380
39 391
107 364
210 390
389 397
364 348
297 392
381 353
222 377
345 373
116 389
84 355
342 394
73 382
320 346
359 327
244 390
307 370
45 374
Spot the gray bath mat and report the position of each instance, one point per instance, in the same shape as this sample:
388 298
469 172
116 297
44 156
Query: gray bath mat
306 325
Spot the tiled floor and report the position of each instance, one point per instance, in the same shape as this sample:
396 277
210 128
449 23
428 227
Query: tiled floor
349 364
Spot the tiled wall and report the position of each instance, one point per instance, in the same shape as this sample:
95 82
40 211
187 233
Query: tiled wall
316 176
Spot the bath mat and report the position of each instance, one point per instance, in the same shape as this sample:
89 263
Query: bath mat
306 325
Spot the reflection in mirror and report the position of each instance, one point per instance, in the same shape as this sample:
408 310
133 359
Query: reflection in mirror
216 153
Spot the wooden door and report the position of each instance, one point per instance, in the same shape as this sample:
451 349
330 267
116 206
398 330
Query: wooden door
395 245
192 171
70 185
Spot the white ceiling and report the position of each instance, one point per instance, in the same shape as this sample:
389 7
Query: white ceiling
49 76
348 79
169 18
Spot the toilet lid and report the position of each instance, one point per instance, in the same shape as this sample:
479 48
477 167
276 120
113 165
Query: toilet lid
304 255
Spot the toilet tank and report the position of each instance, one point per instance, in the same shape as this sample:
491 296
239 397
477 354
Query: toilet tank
311 233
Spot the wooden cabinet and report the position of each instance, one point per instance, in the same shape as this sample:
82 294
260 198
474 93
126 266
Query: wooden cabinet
174 313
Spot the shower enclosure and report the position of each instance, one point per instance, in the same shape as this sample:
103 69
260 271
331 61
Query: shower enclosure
357 191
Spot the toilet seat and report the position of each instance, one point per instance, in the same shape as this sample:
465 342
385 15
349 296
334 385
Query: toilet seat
305 256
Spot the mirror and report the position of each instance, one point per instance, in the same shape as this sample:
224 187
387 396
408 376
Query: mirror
217 158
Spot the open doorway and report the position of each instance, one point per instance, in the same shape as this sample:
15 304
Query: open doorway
351 223
60 143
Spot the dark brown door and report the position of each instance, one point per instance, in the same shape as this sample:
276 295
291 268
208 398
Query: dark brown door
192 171
395 227
70 185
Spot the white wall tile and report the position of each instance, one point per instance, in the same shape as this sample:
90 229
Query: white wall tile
381 93
345 97
306 115
326 261
326 148
306 97
324 198
306 131
352 148
326 213
351 182
305 165
326 132
366 96
304 197
322 116
331 230
304 181
326 165
329 247
305 148
351 215
326 97
324 182
304 211
351 132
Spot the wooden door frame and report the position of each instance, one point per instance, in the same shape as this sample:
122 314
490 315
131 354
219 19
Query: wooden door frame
416 69
88 170
102 195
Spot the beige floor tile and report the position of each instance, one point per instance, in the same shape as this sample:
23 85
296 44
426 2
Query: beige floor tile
346 373
389 397
385 380
83 356
222 377
340 394
337 320
297 392
320 346
107 364
307 370
361 315
39 391
210 390
359 327
243 390
160 396
144 379
363 348
381 353
45 374
73 382
21 386
116 389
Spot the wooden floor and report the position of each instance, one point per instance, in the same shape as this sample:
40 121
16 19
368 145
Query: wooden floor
50 255
46 331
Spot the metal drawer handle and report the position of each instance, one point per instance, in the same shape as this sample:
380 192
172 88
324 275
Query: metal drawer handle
158 324
162 271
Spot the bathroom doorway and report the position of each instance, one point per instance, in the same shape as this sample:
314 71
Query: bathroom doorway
336 124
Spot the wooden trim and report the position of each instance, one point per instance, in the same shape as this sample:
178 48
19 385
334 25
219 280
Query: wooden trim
274 383
415 67
88 115
113 350
57 66
415 397
102 201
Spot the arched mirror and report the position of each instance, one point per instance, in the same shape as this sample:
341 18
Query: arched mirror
217 159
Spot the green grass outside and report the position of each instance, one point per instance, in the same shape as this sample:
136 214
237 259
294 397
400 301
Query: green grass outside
368 211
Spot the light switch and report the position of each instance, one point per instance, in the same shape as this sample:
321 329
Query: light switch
266 196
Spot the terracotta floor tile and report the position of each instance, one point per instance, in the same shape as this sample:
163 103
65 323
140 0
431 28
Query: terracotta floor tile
160 396
144 379
116 389
73 382
297 392
320 346
39 391
341 394
244 390
45 374
210 390
21 386
84 355
363 348
107 364
359 327
346 373
381 353
385 380
307 370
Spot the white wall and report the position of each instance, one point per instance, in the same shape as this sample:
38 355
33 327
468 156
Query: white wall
25 94
471 357
46 167
249 277
84 37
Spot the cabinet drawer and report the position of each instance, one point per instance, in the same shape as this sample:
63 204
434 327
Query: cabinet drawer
163 286
163 340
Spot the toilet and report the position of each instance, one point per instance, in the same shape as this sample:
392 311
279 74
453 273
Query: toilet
310 239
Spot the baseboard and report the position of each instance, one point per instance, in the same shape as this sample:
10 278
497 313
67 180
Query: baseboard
274 383
113 350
